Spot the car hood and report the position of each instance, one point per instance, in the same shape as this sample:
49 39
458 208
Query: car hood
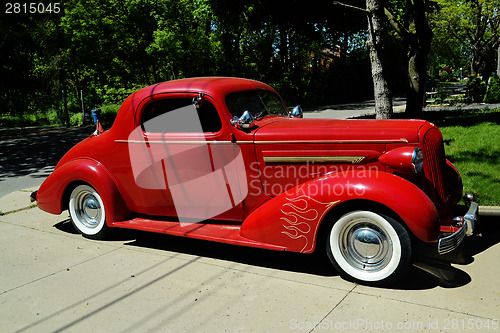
321 130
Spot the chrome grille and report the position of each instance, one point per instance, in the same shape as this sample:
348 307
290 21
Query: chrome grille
434 160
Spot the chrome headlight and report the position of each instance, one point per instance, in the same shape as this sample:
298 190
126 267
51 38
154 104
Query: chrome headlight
417 160
404 159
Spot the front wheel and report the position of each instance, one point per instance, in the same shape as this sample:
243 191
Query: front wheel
87 212
369 248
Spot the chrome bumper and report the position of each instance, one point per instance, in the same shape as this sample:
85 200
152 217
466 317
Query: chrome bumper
451 242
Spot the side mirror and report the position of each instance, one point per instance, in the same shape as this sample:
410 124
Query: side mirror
245 121
296 112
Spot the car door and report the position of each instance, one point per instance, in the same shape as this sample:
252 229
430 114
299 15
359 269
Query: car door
184 163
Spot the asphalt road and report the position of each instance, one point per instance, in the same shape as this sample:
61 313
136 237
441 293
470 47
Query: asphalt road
28 156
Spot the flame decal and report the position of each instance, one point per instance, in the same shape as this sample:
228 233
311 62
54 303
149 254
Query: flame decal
300 219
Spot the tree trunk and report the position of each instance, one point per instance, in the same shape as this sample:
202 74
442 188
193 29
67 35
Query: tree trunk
417 75
419 45
474 64
383 99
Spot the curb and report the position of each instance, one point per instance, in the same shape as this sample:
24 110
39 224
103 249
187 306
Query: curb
489 211
16 201
465 107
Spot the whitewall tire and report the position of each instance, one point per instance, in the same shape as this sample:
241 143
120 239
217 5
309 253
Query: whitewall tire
369 248
87 212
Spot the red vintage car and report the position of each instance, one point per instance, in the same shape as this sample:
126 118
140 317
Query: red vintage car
223 159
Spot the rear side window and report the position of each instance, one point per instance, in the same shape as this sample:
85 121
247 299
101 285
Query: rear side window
179 115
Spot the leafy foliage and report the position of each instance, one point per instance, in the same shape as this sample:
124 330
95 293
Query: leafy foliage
105 50
476 89
469 29
493 92
314 53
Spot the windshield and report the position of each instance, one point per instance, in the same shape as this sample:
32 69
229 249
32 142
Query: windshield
259 103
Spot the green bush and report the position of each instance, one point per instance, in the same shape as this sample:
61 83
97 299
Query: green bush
49 118
444 75
108 114
476 89
75 119
493 92
113 95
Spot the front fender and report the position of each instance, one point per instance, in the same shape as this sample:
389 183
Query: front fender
292 219
52 192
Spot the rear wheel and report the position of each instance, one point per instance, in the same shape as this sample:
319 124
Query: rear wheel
369 248
87 212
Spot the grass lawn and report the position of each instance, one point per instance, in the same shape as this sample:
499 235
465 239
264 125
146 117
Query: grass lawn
472 144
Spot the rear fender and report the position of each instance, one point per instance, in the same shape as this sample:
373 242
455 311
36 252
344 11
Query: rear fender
55 189
292 219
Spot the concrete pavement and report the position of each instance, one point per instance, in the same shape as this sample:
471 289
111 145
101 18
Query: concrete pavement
351 110
55 280
367 108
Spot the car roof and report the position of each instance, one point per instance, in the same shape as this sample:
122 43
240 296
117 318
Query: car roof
213 85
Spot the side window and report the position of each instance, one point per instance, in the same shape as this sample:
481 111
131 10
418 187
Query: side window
179 115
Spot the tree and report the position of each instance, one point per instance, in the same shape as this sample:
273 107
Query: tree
17 63
375 42
409 19
383 96
476 25
311 52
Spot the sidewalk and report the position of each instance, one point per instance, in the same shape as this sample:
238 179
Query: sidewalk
367 108
351 110
16 201
54 280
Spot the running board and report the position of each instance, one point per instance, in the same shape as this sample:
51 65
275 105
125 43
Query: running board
228 234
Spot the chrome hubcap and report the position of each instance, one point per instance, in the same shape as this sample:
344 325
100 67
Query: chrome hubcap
91 207
88 209
365 245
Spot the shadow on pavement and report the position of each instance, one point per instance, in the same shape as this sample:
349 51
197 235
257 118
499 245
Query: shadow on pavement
37 154
288 261
428 272
440 267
